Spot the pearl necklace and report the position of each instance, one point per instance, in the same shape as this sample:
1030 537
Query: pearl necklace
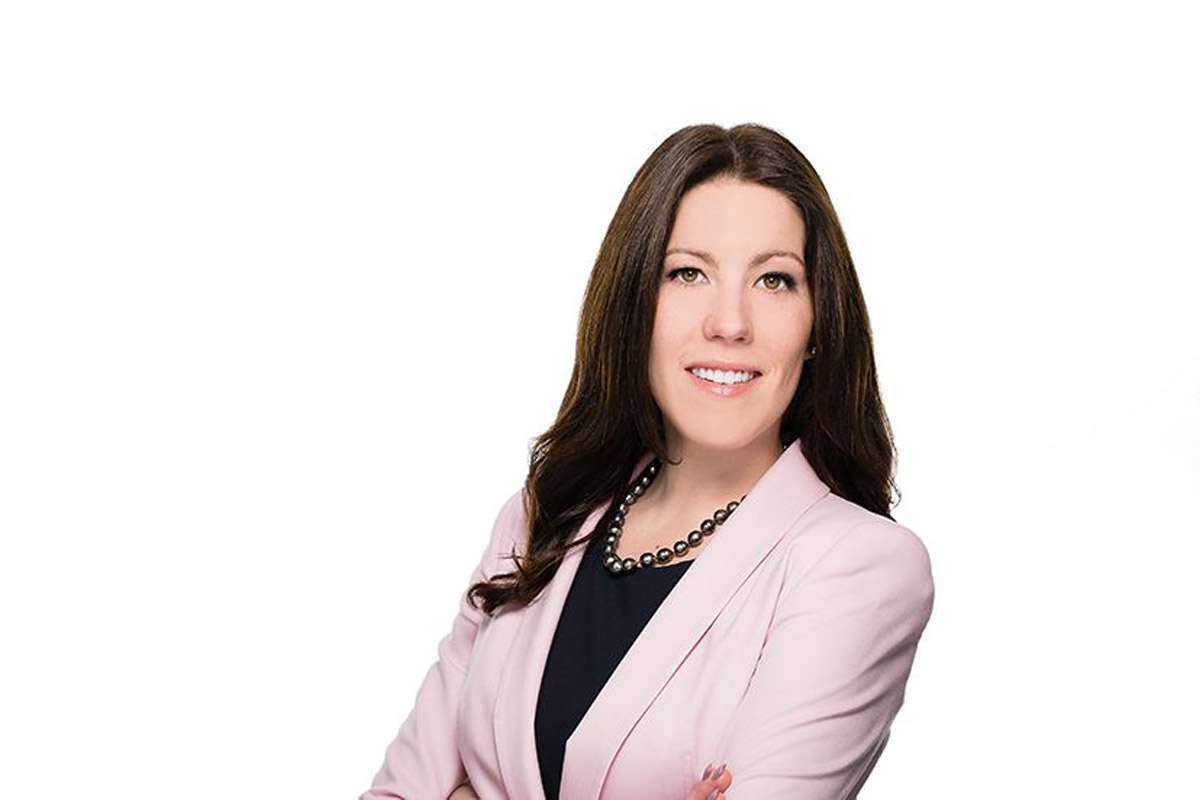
616 565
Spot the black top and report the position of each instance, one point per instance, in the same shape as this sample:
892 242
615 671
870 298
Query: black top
602 616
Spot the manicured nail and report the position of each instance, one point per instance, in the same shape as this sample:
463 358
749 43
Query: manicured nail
707 771
716 775
712 796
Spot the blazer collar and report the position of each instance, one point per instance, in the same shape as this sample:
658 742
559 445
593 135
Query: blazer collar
783 493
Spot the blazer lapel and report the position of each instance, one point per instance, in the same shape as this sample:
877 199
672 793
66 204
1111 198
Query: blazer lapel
778 499
521 677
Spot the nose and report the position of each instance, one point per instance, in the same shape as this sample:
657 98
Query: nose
728 317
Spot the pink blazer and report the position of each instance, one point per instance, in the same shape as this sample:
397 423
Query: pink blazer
783 651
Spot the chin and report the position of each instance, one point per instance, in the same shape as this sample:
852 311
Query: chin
707 440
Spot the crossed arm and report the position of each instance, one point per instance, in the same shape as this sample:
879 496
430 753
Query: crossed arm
422 761
829 682
833 671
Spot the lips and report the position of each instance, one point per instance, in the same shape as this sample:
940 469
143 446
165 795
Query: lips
727 366
722 389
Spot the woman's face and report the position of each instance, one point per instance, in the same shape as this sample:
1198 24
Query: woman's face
733 292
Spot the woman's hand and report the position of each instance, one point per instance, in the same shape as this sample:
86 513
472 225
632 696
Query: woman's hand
464 792
713 785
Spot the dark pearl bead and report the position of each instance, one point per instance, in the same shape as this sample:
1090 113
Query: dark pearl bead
617 565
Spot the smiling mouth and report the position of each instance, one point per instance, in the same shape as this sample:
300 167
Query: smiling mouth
717 388
724 377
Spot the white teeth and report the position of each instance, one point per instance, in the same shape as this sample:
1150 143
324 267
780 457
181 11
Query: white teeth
721 376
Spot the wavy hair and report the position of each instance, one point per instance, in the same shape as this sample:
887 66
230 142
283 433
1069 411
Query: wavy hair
608 417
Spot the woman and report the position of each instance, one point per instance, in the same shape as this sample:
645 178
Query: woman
700 570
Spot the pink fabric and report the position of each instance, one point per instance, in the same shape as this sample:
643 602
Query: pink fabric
783 651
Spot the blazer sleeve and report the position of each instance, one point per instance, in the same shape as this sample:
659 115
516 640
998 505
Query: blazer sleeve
423 761
832 672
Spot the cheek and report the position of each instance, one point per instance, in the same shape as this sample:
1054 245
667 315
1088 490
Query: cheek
666 340
789 335
790 359
663 360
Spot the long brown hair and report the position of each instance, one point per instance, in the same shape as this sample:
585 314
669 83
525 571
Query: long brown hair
608 417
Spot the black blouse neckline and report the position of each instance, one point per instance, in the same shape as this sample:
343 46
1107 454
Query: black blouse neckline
602 616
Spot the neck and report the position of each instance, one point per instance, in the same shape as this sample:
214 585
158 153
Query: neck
709 477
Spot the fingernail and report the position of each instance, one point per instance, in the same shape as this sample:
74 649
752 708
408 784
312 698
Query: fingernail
707 772
719 772
712 796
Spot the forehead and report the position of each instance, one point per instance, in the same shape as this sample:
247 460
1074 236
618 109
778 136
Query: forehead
733 216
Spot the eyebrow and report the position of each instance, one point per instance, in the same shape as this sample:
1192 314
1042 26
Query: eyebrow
754 262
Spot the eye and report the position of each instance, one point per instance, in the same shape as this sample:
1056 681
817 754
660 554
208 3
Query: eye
789 283
671 275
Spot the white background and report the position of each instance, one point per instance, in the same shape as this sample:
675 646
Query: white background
288 288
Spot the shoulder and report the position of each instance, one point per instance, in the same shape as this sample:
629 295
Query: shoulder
508 532
840 540
514 507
